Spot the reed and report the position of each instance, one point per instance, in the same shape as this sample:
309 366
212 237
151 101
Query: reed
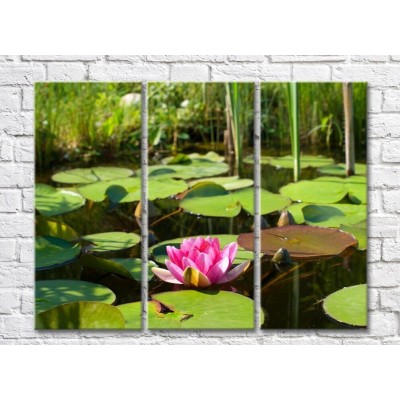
294 128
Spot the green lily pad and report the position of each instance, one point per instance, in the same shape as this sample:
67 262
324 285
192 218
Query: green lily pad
188 158
81 315
359 231
197 169
334 215
134 266
287 161
303 242
227 182
50 201
191 309
315 191
132 313
54 252
348 305
159 251
340 169
51 227
112 241
90 175
211 200
52 293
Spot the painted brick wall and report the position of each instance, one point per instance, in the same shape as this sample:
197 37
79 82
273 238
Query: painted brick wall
17 76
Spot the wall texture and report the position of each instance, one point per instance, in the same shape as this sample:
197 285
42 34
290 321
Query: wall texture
17 76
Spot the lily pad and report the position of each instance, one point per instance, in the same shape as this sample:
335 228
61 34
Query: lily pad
227 182
334 215
52 293
188 158
197 169
287 161
191 309
303 242
134 266
90 175
51 227
132 313
159 252
50 201
112 241
359 231
315 191
340 169
348 305
53 252
81 315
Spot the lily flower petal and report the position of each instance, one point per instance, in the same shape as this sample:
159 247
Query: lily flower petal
194 277
176 271
217 271
235 272
165 275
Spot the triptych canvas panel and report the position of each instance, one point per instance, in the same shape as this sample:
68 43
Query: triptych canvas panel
200 206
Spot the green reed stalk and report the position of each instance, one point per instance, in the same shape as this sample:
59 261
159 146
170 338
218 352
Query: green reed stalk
294 128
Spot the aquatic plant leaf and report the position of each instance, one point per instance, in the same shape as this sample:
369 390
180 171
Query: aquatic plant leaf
53 252
340 169
81 315
348 305
287 161
192 309
51 293
189 158
159 252
112 241
270 202
315 191
132 313
90 175
50 201
197 169
359 231
334 215
303 242
134 266
51 227
227 182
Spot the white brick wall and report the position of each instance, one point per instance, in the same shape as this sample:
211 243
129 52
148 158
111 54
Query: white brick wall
17 76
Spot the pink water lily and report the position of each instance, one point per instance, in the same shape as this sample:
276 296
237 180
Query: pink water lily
200 262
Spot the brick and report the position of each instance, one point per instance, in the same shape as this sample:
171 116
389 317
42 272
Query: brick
382 226
19 325
384 125
126 58
71 58
391 250
26 251
374 201
375 100
10 200
28 98
28 200
384 177
391 101
375 75
374 251
395 58
247 58
10 98
190 73
27 301
374 151
373 299
24 149
312 59
186 59
16 123
16 275
11 74
383 275
7 250
391 151
306 73
6 150
368 59
125 72
16 175
9 300
66 72
16 225
276 72
391 201
234 72
390 299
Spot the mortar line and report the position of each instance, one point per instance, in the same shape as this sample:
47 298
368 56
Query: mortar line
257 222
144 203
